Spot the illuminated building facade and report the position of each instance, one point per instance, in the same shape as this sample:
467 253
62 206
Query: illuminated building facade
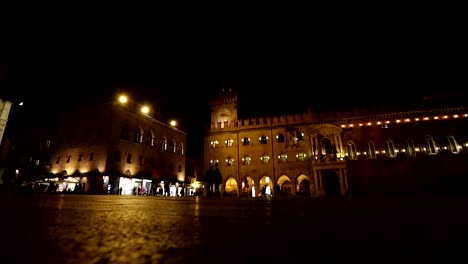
117 148
385 150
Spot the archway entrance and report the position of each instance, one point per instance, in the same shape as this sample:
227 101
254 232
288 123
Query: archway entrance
304 189
331 183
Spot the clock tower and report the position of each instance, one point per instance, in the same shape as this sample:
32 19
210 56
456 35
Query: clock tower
224 109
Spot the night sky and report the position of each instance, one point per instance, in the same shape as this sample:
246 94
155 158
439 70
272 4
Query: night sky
181 83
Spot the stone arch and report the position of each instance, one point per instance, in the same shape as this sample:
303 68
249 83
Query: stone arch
247 185
230 187
266 181
284 188
303 185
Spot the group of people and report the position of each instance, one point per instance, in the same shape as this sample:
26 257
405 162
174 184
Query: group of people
213 179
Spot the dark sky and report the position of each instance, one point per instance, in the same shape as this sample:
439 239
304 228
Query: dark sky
181 81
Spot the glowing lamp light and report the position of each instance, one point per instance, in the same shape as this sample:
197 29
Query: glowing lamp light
173 123
123 99
145 110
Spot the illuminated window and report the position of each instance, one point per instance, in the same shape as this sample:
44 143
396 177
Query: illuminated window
149 139
265 158
452 144
283 157
138 136
229 143
172 147
180 150
214 143
431 147
410 149
301 156
229 161
390 148
163 144
352 152
370 150
246 160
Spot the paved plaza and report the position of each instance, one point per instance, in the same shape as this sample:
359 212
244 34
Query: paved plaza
67 228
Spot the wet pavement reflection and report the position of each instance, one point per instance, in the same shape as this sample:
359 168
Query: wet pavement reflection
66 228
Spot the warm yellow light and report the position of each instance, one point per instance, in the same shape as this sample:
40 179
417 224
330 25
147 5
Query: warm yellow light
173 123
145 109
123 99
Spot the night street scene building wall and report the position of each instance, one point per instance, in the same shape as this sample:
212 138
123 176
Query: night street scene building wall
110 148
389 148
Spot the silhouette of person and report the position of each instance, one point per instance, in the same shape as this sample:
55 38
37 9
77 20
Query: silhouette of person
209 177
218 178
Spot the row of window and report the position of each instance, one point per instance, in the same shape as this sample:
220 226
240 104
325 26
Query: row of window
80 158
298 136
410 149
149 140
264 159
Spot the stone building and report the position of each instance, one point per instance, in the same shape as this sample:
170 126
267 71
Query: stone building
116 148
394 149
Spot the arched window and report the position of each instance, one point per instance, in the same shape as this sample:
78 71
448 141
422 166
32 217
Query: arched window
352 152
246 141
410 150
390 148
431 147
263 139
452 144
172 147
180 150
138 136
299 136
370 150
163 144
229 161
280 138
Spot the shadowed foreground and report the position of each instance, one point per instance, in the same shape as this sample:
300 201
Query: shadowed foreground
50 228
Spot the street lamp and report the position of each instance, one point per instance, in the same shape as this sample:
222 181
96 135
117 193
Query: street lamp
145 109
123 99
173 123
